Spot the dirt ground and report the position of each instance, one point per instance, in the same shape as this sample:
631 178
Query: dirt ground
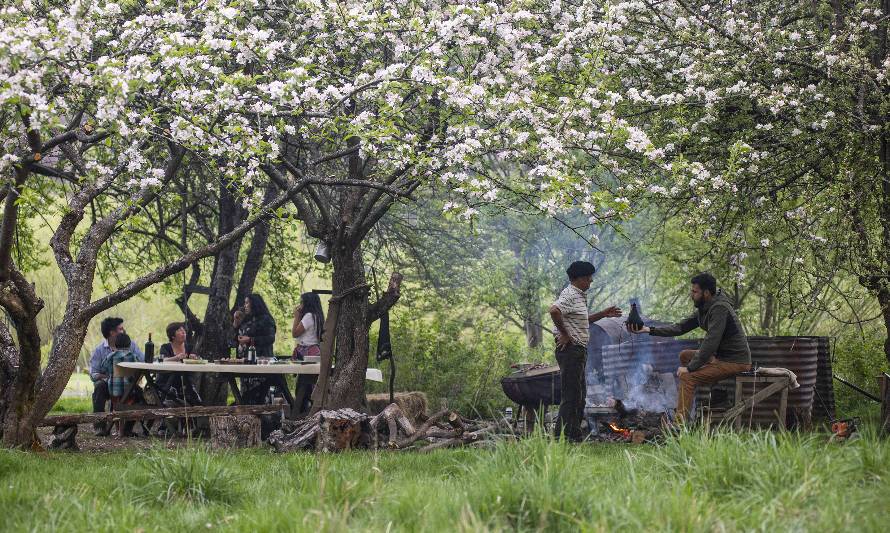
87 441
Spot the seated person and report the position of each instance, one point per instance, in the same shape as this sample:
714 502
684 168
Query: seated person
111 327
257 329
117 385
177 386
724 351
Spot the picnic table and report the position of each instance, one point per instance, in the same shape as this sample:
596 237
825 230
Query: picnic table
276 371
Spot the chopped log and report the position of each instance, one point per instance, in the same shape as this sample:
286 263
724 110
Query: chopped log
239 431
412 404
64 438
333 430
301 438
454 420
422 430
151 413
339 430
466 438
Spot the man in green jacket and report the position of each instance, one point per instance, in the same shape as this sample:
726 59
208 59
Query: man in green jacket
724 351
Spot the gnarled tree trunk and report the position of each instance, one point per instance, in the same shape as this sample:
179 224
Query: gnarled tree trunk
347 383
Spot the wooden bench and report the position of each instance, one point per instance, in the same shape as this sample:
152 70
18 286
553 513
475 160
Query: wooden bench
763 387
65 426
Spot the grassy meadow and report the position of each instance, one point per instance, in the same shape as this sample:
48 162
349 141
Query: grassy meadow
691 482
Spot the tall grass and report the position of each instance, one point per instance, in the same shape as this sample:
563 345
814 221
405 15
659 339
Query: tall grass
692 482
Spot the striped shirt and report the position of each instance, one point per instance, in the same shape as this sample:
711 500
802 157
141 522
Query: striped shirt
572 303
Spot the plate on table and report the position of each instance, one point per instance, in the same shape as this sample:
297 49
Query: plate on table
194 361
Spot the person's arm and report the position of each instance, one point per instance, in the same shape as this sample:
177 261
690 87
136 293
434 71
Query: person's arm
267 336
610 312
137 353
716 325
674 330
298 328
96 365
563 339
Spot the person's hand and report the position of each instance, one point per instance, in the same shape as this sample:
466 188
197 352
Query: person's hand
682 370
611 312
243 339
298 310
632 329
193 356
563 340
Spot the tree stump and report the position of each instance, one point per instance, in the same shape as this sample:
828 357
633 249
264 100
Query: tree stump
241 431
64 438
339 430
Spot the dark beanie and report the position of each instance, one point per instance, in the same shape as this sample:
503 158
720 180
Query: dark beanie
579 269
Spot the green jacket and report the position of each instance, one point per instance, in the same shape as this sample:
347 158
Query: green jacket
725 338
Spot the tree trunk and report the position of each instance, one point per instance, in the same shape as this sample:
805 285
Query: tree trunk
884 300
347 383
19 368
234 431
254 261
214 341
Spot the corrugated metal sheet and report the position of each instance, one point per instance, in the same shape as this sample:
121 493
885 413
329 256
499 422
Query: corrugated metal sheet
798 354
620 360
823 404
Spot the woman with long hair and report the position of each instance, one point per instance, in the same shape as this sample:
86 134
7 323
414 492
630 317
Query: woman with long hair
308 325
307 330
256 329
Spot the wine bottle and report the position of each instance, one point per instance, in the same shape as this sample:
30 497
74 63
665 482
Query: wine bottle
634 320
149 350
251 355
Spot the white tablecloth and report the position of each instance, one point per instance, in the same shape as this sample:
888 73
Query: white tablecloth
372 374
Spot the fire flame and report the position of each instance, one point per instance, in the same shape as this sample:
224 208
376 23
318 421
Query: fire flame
624 432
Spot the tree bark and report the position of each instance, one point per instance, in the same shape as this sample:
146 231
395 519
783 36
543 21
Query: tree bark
347 384
234 431
254 261
19 368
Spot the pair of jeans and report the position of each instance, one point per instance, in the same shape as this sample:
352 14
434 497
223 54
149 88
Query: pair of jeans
100 396
711 372
572 361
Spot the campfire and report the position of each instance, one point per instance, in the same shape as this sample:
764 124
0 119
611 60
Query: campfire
623 432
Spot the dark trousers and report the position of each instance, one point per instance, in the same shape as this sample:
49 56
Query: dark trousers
572 361
303 397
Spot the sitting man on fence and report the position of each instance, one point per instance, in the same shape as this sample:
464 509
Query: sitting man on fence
724 351
111 327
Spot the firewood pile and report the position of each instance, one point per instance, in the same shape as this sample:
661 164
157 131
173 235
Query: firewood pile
344 429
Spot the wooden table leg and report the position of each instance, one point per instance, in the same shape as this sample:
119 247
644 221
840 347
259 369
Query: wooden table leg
282 380
235 391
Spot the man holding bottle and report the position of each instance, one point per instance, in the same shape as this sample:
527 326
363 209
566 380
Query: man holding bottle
724 351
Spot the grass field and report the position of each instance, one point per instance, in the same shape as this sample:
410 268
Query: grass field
695 482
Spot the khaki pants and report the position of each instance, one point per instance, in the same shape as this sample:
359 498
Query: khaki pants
712 372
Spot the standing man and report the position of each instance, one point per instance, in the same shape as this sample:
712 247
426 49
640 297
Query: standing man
111 327
572 319
724 352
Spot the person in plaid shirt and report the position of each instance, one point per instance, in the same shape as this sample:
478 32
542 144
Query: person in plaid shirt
117 384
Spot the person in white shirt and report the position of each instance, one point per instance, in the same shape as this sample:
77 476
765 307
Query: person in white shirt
572 319
307 331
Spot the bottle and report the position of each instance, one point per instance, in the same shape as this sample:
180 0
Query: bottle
251 355
634 320
149 350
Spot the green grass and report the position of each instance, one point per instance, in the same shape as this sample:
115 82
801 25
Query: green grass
695 482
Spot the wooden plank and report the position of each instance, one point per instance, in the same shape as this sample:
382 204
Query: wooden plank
885 404
320 394
739 408
140 414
